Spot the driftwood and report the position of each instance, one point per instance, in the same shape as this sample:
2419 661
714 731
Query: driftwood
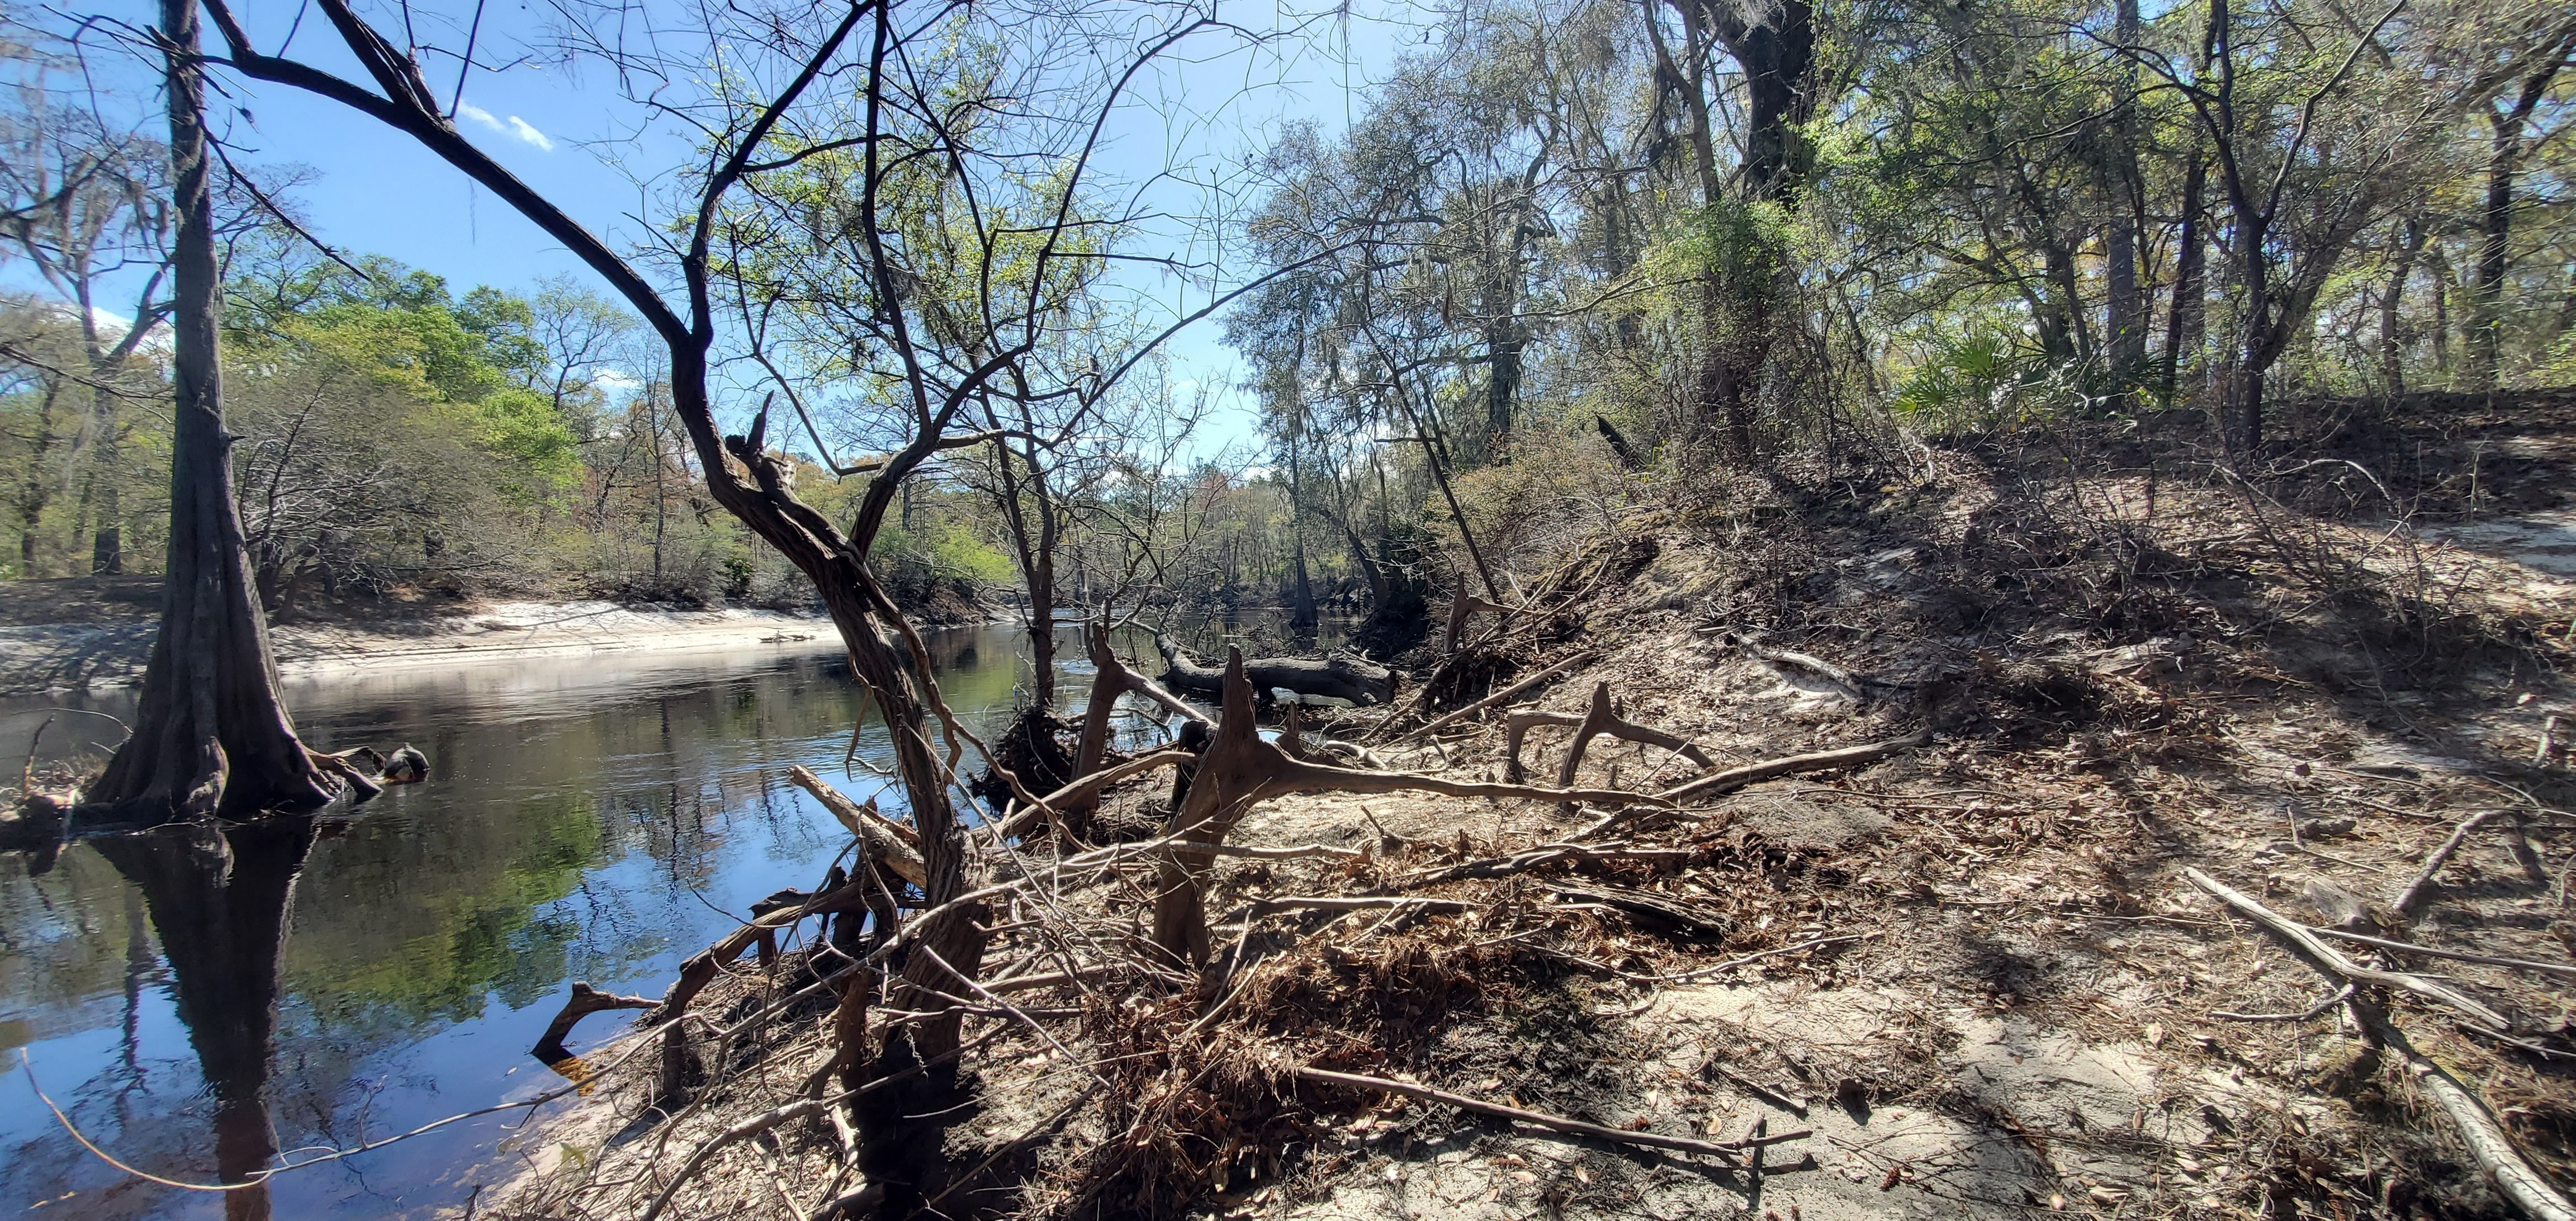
888 842
2330 961
1463 607
1110 679
344 765
1503 696
2493 960
2338 907
2486 1140
1729 1149
584 1001
1088 786
1360 682
1240 770
2419 892
1855 685
1717 784
1596 720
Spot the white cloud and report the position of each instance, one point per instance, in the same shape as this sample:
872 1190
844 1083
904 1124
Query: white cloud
522 129
517 128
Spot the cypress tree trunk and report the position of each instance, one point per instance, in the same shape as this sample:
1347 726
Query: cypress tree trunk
210 736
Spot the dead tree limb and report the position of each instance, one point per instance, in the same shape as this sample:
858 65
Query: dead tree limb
2419 892
1111 678
1718 784
1505 695
1240 770
1089 786
888 841
1729 1149
1360 682
2478 1129
1596 720
584 1001
2330 961
701 968
1462 607
2403 947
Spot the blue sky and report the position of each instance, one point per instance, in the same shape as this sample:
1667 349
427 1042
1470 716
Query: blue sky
568 133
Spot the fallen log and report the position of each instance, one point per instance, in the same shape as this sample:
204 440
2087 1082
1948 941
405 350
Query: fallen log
2485 1138
1346 678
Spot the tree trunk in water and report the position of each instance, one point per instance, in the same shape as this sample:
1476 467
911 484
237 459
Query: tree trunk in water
220 900
210 735
1301 617
1359 682
1042 630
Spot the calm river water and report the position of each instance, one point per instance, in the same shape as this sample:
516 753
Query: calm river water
587 819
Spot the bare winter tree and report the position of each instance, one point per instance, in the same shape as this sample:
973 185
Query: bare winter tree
952 145
84 201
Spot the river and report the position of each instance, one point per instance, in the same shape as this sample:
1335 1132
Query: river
592 819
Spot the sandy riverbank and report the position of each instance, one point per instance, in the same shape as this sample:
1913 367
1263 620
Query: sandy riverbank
111 649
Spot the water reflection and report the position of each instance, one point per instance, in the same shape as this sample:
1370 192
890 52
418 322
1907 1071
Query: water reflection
220 899
592 818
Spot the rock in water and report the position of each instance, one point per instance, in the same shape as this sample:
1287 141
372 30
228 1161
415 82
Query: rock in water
406 766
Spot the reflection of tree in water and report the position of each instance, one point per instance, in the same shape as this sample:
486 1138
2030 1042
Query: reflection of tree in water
220 900
554 846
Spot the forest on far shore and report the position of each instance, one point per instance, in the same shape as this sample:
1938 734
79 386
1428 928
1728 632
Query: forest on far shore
1557 249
